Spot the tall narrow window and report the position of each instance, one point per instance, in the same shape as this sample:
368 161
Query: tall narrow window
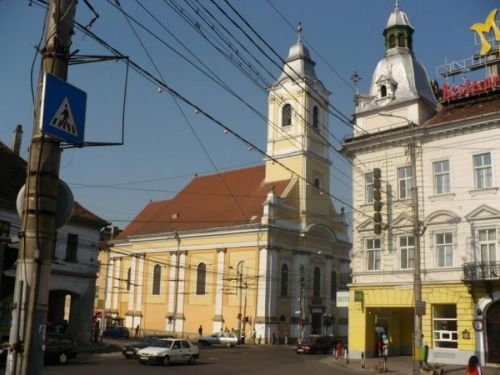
72 247
407 251
286 115
401 40
482 171
392 41
487 241
129 277
441 171
317 282
369 187
156 280
201 276
383 91
316 117
444 247
284 280
405 176
373 254
333 286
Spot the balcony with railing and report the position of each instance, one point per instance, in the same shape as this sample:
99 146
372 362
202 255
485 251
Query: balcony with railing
479 272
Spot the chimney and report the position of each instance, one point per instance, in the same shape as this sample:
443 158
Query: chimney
17 137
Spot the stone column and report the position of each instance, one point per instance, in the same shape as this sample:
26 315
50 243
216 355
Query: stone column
181 290
109 285
218 320
265 321
116 288
138 292
131 296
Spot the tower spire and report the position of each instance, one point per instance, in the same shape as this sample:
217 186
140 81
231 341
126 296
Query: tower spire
299 32
397 5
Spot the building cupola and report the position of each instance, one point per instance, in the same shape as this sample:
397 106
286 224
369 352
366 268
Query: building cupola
298 64
398 31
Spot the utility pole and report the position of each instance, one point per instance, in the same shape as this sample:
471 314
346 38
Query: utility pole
31 294
239 276
417 280
301 303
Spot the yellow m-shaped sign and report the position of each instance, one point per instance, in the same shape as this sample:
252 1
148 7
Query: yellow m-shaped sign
482 28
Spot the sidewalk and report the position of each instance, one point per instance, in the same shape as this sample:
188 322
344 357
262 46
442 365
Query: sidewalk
402 365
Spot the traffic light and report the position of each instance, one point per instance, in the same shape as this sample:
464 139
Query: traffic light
377 201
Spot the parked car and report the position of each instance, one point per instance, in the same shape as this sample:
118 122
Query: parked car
130 350
117 332
314 343
59 348
166 351
221 338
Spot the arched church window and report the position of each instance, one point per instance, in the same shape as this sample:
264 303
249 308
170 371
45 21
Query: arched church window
156 280
315 117
284 280
392 41
286 115
401 40
129 277
317 183
383 91
317 283
201 275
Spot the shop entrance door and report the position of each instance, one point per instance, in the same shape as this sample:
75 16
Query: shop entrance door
493 333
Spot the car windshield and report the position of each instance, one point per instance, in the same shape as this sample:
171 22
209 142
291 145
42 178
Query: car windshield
309 340
148 339
162 343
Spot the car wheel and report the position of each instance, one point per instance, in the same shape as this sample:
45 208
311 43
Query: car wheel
166 360
228 344
192 360
63 358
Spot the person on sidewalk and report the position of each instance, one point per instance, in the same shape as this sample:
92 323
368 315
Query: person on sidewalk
200 331
137 330
473 367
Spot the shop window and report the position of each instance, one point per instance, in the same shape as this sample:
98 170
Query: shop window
444 326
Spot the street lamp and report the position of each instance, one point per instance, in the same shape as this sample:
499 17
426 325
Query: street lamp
239 277
417 280
174 318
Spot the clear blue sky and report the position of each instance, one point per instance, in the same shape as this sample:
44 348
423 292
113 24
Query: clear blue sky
161 154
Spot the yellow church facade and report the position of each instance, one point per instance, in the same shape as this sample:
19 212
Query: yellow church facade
260 250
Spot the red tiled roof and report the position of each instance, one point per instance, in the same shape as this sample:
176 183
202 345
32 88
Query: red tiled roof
219 200
470 107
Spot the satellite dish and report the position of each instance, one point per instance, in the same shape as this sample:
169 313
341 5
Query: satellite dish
64 205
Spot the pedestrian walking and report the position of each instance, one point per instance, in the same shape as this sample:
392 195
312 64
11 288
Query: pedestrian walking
473 367
200 330
137 328
254 335
286 337
380 345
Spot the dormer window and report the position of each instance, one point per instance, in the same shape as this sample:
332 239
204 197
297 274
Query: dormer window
315 122
383 91
392 41
286 115
401 40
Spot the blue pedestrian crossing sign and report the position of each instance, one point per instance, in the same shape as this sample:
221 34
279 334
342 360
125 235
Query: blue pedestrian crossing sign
63 110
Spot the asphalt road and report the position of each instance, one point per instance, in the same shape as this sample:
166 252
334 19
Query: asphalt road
273 360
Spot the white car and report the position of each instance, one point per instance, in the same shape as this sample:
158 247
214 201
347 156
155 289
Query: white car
222 338
166 351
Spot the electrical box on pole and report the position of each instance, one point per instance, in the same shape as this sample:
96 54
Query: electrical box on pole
377 201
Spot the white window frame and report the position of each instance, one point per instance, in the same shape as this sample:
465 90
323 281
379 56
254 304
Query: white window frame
489 243
374 252
406 252
408 181
440 186
369 187
481 171
446 247
444 337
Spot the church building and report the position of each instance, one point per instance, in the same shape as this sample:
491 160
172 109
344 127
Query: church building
260 249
